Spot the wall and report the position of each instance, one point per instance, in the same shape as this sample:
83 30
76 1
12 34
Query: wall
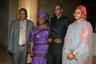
8 9
48 6
3 20
13 8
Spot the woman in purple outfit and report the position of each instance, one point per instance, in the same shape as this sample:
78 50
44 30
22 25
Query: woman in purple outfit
39 39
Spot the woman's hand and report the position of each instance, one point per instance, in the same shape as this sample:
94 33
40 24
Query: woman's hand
70 55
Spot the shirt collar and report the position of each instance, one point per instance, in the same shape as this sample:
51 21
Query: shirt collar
59 16
24 21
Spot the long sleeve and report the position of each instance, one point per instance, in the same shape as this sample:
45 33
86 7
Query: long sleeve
10 37
31 40
82 52
66 39
50 29
58 27
68 22
66 47
31 36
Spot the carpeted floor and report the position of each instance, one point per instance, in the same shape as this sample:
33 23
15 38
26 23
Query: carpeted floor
4 56
94 60
6 59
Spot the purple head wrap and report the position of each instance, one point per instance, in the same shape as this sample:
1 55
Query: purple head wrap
42 14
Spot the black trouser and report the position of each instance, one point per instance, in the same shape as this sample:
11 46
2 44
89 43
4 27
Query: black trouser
55 54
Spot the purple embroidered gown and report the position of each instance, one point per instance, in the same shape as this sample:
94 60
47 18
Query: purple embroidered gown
40 40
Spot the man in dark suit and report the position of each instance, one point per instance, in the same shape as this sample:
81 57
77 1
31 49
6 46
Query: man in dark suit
18 37
58 28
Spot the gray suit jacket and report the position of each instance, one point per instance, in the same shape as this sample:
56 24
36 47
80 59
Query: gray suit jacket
13 36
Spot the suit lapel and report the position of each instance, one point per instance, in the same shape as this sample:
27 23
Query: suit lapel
18 29
27 30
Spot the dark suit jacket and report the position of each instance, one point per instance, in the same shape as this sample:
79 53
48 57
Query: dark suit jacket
58 27
13 34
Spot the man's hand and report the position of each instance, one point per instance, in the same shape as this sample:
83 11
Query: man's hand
49 40
31 54
10 52
58 41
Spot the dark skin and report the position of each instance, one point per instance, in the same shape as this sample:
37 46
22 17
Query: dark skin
22 16
77 16
58 11
41 23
